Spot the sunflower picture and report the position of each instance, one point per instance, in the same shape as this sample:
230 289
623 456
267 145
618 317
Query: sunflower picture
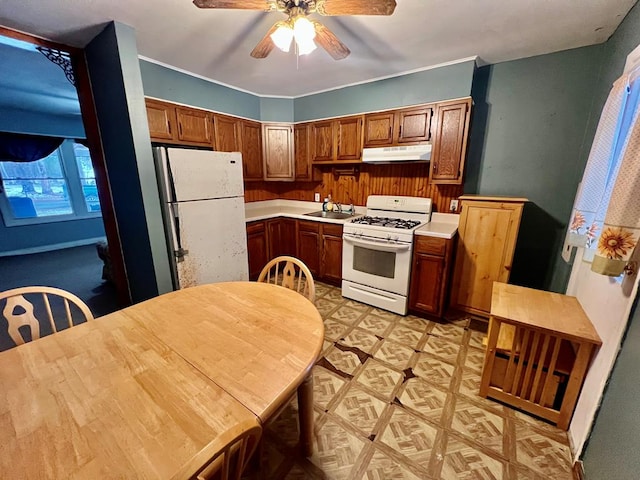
577 223
616 243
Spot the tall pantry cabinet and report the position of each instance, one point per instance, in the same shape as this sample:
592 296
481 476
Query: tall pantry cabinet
488 231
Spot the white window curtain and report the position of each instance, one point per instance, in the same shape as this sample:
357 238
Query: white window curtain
606 215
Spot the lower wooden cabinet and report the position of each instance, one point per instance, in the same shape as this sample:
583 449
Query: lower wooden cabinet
331 261
257 248
430 274
309 245
281 237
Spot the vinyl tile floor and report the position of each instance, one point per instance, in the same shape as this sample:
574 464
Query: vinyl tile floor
397 398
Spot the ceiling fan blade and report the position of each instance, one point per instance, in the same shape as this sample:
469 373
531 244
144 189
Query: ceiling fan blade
265 5
327 40
264 46
355 7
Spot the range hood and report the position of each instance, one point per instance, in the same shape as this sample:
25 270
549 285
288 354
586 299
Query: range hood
409 153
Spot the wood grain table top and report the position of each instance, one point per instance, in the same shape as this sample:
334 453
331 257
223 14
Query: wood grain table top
139 392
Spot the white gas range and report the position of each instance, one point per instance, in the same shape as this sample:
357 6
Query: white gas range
377 251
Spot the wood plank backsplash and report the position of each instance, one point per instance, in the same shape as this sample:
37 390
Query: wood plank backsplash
401 179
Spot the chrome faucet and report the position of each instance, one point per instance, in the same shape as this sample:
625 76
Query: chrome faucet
338 206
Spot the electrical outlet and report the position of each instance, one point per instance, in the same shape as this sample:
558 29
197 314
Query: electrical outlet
316 197
453 206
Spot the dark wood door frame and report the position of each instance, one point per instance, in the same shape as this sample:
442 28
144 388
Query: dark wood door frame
92 131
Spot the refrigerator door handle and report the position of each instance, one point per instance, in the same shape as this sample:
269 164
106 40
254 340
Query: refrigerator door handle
180 253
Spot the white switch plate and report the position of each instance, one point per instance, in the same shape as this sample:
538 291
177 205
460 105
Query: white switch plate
316 197
453 206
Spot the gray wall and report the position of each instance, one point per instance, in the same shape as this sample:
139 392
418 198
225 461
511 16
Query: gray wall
527 140
116 83
612 450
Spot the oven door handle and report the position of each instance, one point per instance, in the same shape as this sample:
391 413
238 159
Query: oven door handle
382 246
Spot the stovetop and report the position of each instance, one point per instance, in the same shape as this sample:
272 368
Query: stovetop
386 222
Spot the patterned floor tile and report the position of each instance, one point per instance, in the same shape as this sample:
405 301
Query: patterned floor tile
542 454
470 388
419 324
410 436
434 370
425 398
393 317
346 362
441 348
360 409
375 325
479 424
285 427
361 339
322 289
334 294
406 336
336 450
474 360
449 332
464 462
325 386
383 467
334 330
357 305
347 315
325 306
297 473
476 339
550 430
379 378
394 354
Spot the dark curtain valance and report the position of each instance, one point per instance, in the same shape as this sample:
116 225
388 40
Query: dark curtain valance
18 147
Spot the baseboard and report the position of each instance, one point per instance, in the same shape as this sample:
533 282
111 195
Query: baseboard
54 246
578 470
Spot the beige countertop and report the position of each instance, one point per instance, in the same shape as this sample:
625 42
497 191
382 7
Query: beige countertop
442 225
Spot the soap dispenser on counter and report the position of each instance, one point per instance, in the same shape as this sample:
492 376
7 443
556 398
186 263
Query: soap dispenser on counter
324 204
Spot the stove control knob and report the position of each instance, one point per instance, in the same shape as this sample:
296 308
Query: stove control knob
396 238
388 237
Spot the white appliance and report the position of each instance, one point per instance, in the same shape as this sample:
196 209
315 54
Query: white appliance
406 153
202 197
377 249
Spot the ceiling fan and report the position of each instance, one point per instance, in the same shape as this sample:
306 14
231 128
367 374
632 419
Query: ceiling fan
307 33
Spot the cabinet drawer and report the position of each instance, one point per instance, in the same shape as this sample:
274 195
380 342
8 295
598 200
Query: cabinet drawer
255 227
332 229
431 245
309 226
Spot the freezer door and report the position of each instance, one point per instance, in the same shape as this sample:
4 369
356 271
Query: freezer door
213 233
203 174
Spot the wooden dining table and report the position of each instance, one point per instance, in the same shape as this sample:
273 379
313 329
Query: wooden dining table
140 392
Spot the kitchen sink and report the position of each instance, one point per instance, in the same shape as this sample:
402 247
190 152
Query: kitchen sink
335 215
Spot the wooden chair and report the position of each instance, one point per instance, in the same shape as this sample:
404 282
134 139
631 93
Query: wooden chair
282 271
226 457
15 298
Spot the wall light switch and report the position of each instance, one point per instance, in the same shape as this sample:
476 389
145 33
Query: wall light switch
453 206
316 197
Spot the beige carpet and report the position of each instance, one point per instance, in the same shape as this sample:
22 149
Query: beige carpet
396 398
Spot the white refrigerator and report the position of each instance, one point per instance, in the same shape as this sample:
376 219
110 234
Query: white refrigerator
202 198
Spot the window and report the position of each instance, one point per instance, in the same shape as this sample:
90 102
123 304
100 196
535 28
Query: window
59 187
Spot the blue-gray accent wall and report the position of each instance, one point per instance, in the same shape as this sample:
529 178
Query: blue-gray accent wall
37 123
116 82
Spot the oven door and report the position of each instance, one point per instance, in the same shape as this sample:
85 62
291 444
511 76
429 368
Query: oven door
376 263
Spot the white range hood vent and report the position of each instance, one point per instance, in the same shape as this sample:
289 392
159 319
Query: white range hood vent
409 153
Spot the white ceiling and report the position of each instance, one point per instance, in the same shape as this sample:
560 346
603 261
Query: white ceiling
421 33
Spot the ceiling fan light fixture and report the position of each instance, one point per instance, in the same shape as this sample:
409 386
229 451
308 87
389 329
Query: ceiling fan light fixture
283 36
304 32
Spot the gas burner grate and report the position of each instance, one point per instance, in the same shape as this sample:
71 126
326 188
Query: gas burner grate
387 222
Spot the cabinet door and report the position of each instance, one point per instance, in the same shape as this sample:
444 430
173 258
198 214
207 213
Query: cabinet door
450 143
288 236
309 245
256 248
322 141
301 145
414 125
273 234
349 137
331 265
426 281
227 133
194 126
378 129
251 140
488 231
162 120
277 153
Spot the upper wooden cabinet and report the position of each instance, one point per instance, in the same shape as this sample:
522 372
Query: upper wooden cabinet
349 138
487 232
194 126
251 142
302 154
398 127
162 120
277 152
227 132
450 142
322 141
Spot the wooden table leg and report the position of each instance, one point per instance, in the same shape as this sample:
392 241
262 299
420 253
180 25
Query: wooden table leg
305 415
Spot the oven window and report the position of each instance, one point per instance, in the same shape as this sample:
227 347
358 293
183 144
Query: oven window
374 262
